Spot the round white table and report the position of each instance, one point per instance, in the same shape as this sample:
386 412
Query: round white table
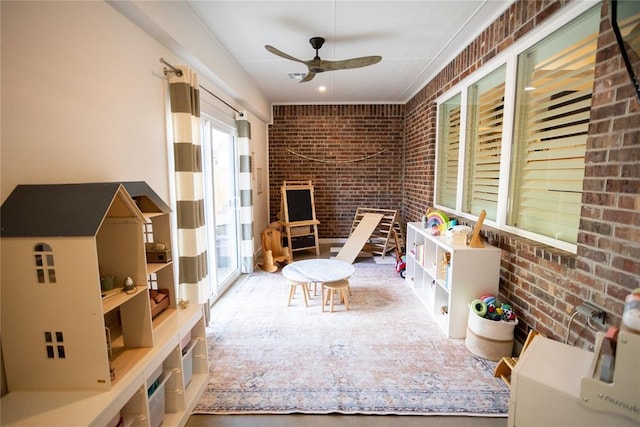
317 270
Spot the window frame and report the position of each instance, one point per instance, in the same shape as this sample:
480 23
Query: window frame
471 145
461 147
508 58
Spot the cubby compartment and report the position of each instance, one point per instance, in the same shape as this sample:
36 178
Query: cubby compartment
187 362
447 275
195 364
136 411
156 396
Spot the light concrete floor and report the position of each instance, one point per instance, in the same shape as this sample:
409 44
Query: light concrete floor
339 420
335 420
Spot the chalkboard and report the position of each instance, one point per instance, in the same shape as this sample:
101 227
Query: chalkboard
299 205
299 211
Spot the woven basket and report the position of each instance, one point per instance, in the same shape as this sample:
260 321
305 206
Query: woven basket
489 339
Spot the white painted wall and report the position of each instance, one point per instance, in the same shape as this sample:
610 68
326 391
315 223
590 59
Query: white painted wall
84 95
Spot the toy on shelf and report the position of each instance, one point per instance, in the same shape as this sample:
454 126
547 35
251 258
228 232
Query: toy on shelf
474 238
458 234
159 301
437 221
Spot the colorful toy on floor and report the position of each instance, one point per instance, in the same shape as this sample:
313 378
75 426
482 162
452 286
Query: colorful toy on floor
401 260
489 307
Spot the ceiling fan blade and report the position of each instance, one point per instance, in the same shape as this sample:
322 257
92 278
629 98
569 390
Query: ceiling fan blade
310 75
282 54
350 63
317 65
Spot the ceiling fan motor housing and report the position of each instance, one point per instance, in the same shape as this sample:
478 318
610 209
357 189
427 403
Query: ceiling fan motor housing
316 42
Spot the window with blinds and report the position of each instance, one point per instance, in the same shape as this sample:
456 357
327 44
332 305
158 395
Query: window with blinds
485 110
524 122
553 101
448 151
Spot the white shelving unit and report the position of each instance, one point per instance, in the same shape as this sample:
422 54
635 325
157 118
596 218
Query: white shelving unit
128 396
447 276
80 355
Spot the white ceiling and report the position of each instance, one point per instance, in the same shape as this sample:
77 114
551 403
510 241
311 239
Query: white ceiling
415 39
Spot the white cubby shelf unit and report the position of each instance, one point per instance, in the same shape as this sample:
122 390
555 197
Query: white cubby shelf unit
448 275
76 354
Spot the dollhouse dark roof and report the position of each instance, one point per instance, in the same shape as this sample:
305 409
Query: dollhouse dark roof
54 210
143 194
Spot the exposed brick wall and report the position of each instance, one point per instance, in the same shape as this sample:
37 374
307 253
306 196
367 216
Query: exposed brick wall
608 264
543 283
519 19
338 148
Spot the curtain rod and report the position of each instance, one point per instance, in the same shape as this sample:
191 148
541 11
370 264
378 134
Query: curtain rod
173 69
178 72
221 100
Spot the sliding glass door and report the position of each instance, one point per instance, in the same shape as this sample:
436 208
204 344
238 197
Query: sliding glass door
221 204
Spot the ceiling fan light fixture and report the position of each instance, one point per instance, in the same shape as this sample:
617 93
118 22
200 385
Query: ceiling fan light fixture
297 76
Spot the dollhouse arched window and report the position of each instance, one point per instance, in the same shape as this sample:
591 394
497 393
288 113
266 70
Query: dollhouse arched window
45 267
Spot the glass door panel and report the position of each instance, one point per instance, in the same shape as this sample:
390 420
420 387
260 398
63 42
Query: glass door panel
221 206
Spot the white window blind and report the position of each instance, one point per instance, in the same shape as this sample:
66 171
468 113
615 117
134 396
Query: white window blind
448 151
553 100
485 107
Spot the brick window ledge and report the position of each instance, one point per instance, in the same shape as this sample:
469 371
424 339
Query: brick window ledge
511 243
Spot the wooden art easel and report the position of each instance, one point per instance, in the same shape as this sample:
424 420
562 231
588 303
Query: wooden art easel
299 216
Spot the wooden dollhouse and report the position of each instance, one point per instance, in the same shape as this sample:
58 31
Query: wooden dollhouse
62 331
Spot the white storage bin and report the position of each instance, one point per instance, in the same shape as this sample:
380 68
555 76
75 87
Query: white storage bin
185 340
187 362
154 376
156 401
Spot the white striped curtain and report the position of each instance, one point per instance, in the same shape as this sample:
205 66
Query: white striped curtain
246 199
187 148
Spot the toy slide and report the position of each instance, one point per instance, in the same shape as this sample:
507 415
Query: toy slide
354 244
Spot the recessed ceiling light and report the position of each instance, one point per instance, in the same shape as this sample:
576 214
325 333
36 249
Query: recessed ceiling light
529 88
322 88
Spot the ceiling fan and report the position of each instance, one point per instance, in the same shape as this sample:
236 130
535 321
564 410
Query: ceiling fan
317 65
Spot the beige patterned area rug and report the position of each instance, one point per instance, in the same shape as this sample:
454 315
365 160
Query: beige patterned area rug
383 356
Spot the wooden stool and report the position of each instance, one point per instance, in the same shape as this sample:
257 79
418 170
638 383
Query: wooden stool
292 290
342 287
315 287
